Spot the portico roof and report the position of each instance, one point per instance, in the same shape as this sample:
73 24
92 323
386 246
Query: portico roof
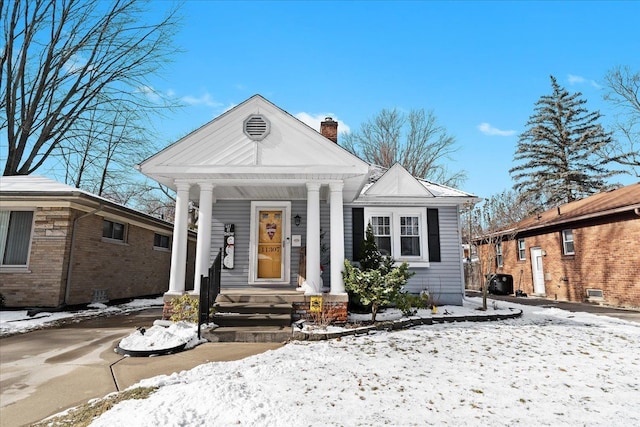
276 166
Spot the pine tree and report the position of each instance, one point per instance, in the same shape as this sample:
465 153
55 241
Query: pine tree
371 258
557 155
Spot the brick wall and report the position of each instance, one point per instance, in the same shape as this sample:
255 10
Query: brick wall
334 309
42 284
606 257
126 270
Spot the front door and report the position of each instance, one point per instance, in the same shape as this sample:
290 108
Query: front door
270 237
537 271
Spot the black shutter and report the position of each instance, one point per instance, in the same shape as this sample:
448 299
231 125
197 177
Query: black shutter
433 230
357 222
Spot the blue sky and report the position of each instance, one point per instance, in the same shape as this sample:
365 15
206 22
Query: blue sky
480 66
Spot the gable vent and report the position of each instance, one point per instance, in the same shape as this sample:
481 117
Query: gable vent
256 127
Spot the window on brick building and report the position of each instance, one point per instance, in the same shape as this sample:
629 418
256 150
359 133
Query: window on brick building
113 230
567 242
499 260
161 241
522 250
15 237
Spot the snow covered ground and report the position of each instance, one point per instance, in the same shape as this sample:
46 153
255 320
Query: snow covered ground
17 321
550 367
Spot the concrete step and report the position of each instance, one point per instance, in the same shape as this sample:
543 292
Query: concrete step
252 319
248 334
284 297
249 308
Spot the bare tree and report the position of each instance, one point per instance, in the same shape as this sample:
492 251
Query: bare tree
492 229
67 63
624 94
415 140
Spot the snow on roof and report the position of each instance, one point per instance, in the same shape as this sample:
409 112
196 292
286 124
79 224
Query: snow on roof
438 190
36 184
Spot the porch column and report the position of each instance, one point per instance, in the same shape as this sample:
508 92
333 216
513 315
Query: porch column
180 235
203 245
337 238
313 235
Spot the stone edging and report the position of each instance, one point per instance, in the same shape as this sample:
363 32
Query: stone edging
394 325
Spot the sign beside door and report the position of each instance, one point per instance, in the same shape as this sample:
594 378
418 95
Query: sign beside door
269 246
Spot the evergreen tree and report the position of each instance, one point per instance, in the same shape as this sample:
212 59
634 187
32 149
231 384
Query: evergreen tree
556 157
371 258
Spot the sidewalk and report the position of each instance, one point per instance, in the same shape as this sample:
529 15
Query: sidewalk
620 313
45 372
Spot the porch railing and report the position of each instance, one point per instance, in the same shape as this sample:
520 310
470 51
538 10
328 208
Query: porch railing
209 290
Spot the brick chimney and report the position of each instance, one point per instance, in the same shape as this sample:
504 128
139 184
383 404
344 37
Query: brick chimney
329 129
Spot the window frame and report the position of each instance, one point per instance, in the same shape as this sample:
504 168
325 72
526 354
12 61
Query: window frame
499 255
112 239
18 267
395 215
161 247
522 251
566 241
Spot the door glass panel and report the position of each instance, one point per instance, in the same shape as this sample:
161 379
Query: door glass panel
269 244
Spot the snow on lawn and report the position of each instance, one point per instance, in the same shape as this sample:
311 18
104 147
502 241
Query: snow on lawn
550 367
17 321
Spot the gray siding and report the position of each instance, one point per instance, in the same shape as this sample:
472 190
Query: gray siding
238 212
443 279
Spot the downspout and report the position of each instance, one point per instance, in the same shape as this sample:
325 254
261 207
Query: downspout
67 288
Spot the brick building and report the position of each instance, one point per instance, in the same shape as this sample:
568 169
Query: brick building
63 246
586 250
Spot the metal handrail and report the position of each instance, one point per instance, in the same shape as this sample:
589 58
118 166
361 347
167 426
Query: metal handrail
209 290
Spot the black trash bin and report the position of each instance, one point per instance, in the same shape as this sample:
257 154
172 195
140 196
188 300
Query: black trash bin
501 284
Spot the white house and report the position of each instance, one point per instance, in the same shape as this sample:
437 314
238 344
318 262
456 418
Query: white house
295 205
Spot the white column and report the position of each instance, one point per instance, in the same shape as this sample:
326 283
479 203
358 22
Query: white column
337 238
203 245
180 235
313 235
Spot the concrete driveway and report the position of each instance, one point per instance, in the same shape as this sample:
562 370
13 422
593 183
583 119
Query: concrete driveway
47 371
620 313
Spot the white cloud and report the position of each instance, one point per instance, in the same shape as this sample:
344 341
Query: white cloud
487 129
150 93
576 79
573 79
204 99
313 121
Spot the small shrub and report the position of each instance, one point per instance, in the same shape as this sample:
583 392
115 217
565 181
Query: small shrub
185 308
378 282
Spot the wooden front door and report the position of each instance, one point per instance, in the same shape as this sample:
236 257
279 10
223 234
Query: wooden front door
270 235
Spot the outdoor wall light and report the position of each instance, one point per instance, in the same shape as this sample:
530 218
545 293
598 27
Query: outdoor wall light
296 220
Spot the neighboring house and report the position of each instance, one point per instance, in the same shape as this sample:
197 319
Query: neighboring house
585 250
63 246
295 204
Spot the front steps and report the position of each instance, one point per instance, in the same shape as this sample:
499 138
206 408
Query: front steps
253 316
